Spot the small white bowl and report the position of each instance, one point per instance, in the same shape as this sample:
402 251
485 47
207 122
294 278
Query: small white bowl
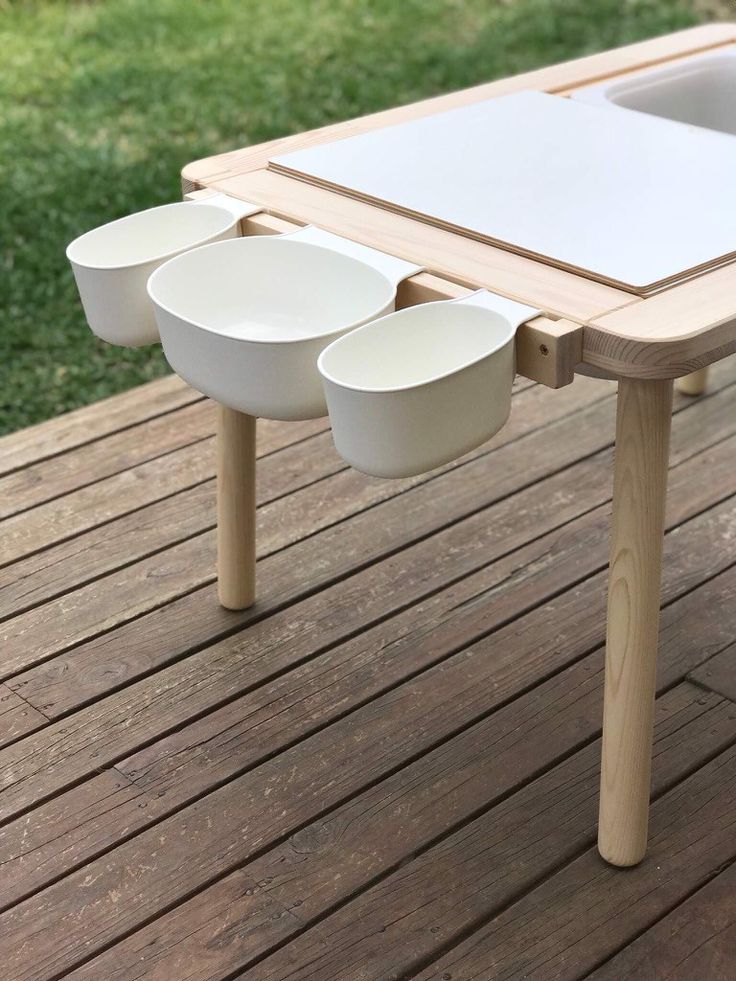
423 386
244 321
112 263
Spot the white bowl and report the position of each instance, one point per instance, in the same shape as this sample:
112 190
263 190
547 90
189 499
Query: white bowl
423 386
244 321
112 263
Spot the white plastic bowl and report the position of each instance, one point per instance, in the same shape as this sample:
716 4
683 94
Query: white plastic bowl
423 386
244 321
112 263
700 91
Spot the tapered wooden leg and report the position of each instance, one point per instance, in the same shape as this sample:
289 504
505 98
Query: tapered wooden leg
236 509
639 493
694 383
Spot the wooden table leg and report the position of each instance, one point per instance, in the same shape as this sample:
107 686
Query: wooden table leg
236 508
694 383
639 492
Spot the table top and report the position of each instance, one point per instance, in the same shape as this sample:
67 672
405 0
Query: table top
676 331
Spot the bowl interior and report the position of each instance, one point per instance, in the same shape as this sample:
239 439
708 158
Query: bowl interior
702 93
414 346
149 235
270 289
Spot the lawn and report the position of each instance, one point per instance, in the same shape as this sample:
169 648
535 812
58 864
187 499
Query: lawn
104 102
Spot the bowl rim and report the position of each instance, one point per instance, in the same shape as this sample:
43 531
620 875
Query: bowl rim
256 241
158 257
507 337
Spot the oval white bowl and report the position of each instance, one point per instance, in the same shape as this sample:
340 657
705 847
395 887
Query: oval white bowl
420 387
244 321
112 264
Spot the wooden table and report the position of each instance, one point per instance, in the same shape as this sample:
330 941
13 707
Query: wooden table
587 327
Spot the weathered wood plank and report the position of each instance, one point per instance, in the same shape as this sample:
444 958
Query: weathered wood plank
588 909
166 575
59 475
97 734
45 841
718 673
702 497
466 613
324 862
102 498
92 422
43 632
284 792
186 485
696 940
40 633
229 739
136 487
144 531
150 440
210 676
47 574
374 592
17 717
683 545
188 466
146 494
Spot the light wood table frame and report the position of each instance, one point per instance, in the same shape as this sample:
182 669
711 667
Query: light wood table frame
645 343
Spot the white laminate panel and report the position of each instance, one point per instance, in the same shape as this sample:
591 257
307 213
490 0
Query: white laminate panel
624 197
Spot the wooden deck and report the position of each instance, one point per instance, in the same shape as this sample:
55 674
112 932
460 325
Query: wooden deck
388 768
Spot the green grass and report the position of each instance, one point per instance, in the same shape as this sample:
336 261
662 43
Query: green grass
103 103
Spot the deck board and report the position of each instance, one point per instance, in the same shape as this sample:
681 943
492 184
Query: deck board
390 762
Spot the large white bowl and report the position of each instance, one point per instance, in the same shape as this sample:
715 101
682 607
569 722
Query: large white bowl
423 386
244 321
112 263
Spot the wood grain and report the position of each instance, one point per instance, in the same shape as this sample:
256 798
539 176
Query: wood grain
426 707
17 717
92 422
356 669
303 876
696 940
99 665
643 420
43 631
693 834
236 509
281 793
674 333
125 491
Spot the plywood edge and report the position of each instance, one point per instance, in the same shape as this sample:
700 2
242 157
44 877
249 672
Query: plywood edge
554 78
